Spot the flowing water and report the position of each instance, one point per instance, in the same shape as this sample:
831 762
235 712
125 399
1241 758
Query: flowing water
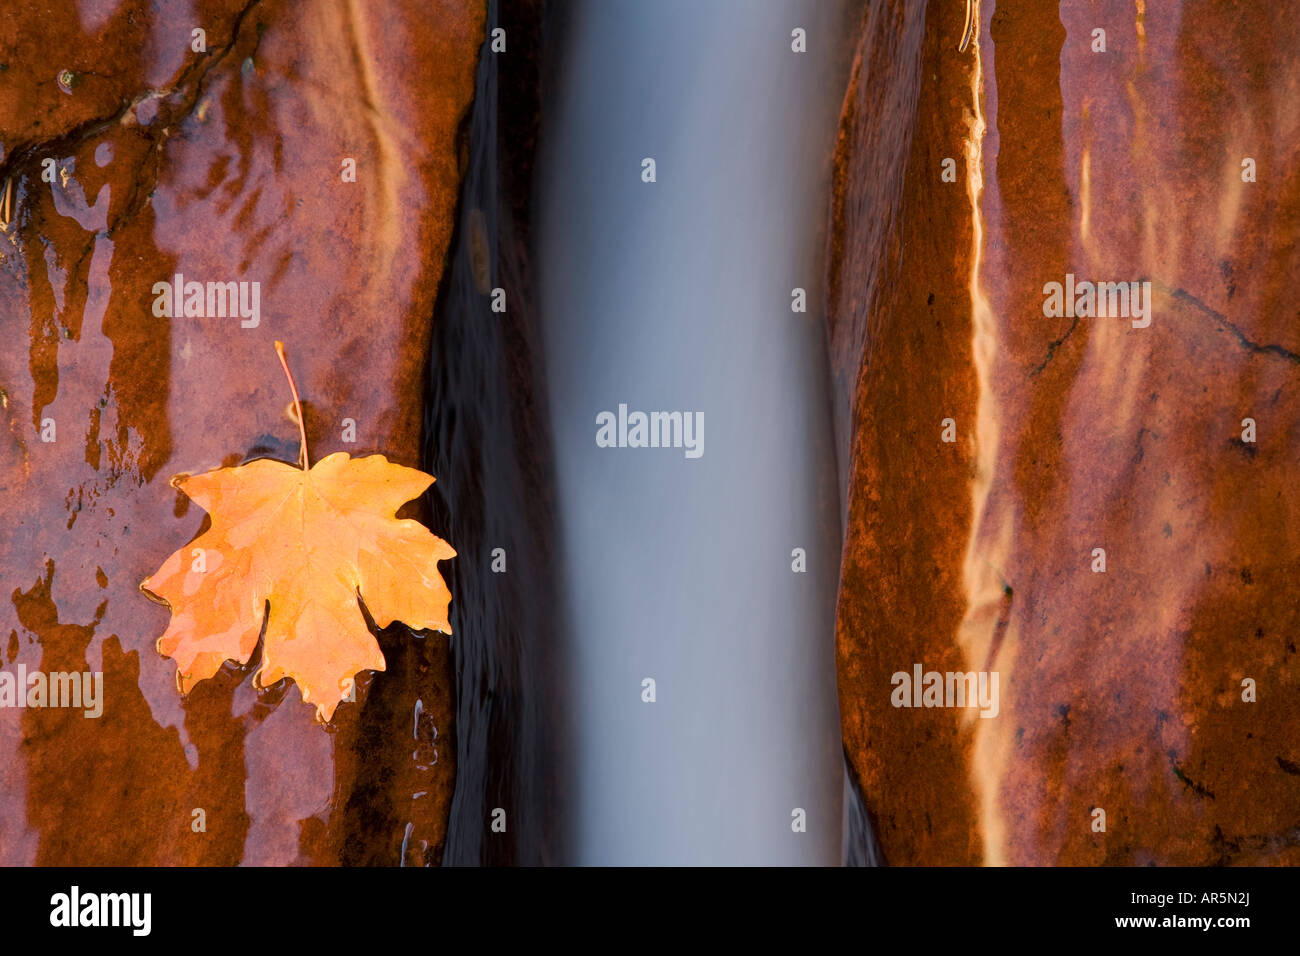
676 295
491 453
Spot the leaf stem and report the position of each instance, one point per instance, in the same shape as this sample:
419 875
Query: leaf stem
297 404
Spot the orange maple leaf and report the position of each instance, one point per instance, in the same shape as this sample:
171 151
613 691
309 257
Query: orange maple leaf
298 545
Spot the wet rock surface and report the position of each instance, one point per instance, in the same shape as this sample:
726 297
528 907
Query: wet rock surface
899 304
222 166
1120 690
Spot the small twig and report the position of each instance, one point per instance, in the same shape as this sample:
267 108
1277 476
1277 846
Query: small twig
297 404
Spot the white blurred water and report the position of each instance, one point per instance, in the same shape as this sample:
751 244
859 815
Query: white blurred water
676 296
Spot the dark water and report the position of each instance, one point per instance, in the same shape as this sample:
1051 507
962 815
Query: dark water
491 453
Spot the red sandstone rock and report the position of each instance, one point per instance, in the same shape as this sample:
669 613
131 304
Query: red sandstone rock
222 166
1119 690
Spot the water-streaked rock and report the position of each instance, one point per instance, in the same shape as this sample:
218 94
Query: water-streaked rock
1120 691
223 166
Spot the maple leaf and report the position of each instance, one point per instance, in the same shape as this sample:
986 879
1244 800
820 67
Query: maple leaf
298 545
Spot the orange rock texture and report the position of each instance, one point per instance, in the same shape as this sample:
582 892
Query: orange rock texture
226 165
1162 690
